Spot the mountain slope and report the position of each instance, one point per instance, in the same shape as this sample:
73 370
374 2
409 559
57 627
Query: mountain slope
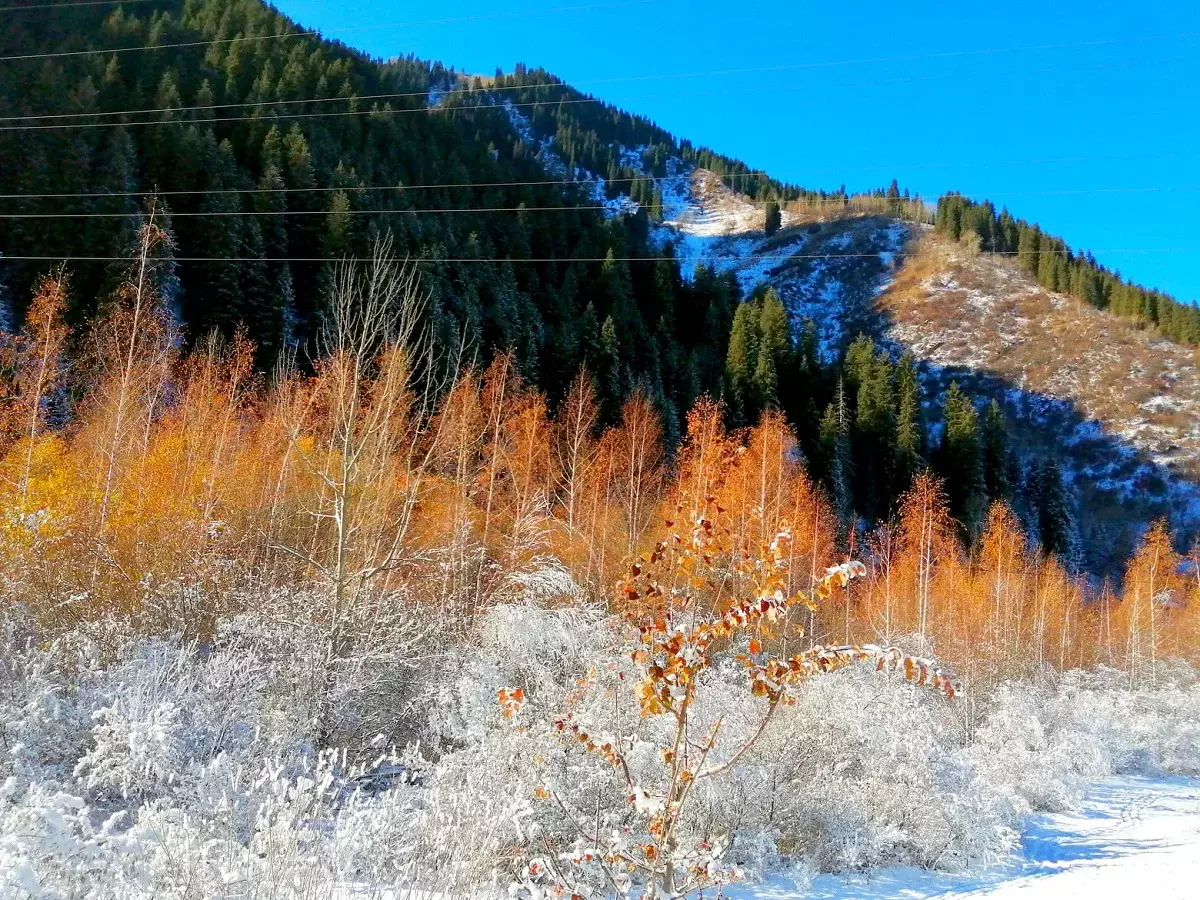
272 150
1120 403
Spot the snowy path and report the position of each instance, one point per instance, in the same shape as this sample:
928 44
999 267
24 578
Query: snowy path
1131 837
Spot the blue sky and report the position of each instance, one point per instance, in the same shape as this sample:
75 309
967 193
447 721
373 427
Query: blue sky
1082 116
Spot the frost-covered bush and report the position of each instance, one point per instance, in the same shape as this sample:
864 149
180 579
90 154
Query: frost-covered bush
163 710
43 728
1151 731
51 844
1025 759
168 769
518 645
866 771
349 684
667 717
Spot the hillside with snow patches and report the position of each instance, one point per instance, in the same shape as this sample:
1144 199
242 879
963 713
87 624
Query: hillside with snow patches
1120 401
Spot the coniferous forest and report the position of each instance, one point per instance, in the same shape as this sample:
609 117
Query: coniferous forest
1058 268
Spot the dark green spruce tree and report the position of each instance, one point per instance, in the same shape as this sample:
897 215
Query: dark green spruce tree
773 217
910 425
874 430
837 464
960 461
1055 518
997 457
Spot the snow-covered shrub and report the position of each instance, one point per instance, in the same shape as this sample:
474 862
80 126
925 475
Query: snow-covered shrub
142 739
681 722
1153 730
51 845
164 710
518 645
1023 759
1041 742
863 771
351 684
171 770
43 728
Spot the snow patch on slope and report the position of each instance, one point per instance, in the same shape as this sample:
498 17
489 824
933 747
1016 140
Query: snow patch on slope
827 273
553 163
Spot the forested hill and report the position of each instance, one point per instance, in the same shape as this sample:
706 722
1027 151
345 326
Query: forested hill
1057 267
277 150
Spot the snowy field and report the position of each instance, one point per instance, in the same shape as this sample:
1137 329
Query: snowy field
174 771
1129 835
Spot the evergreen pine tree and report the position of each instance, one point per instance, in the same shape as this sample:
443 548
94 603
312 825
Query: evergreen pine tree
1054 515
910 424
611 387
8 323
835 449
893 196
860 359
258 309
774 350
996 455
1028 247
741 363
808 357
961 460
286 299
874 428
773 217
589 339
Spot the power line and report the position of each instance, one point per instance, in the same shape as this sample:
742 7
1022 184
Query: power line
374 187
439 95
305 212
1037 161
949 54
598 181
177 46
255 104
585 259
314 33
434 260
615 205
375 110
310 115
22 8
249 104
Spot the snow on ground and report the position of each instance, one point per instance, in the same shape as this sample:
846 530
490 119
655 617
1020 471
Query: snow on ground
553 163
828 273
1129 837
714 210
713 226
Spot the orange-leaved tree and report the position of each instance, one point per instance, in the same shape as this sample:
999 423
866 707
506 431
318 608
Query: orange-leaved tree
678 640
